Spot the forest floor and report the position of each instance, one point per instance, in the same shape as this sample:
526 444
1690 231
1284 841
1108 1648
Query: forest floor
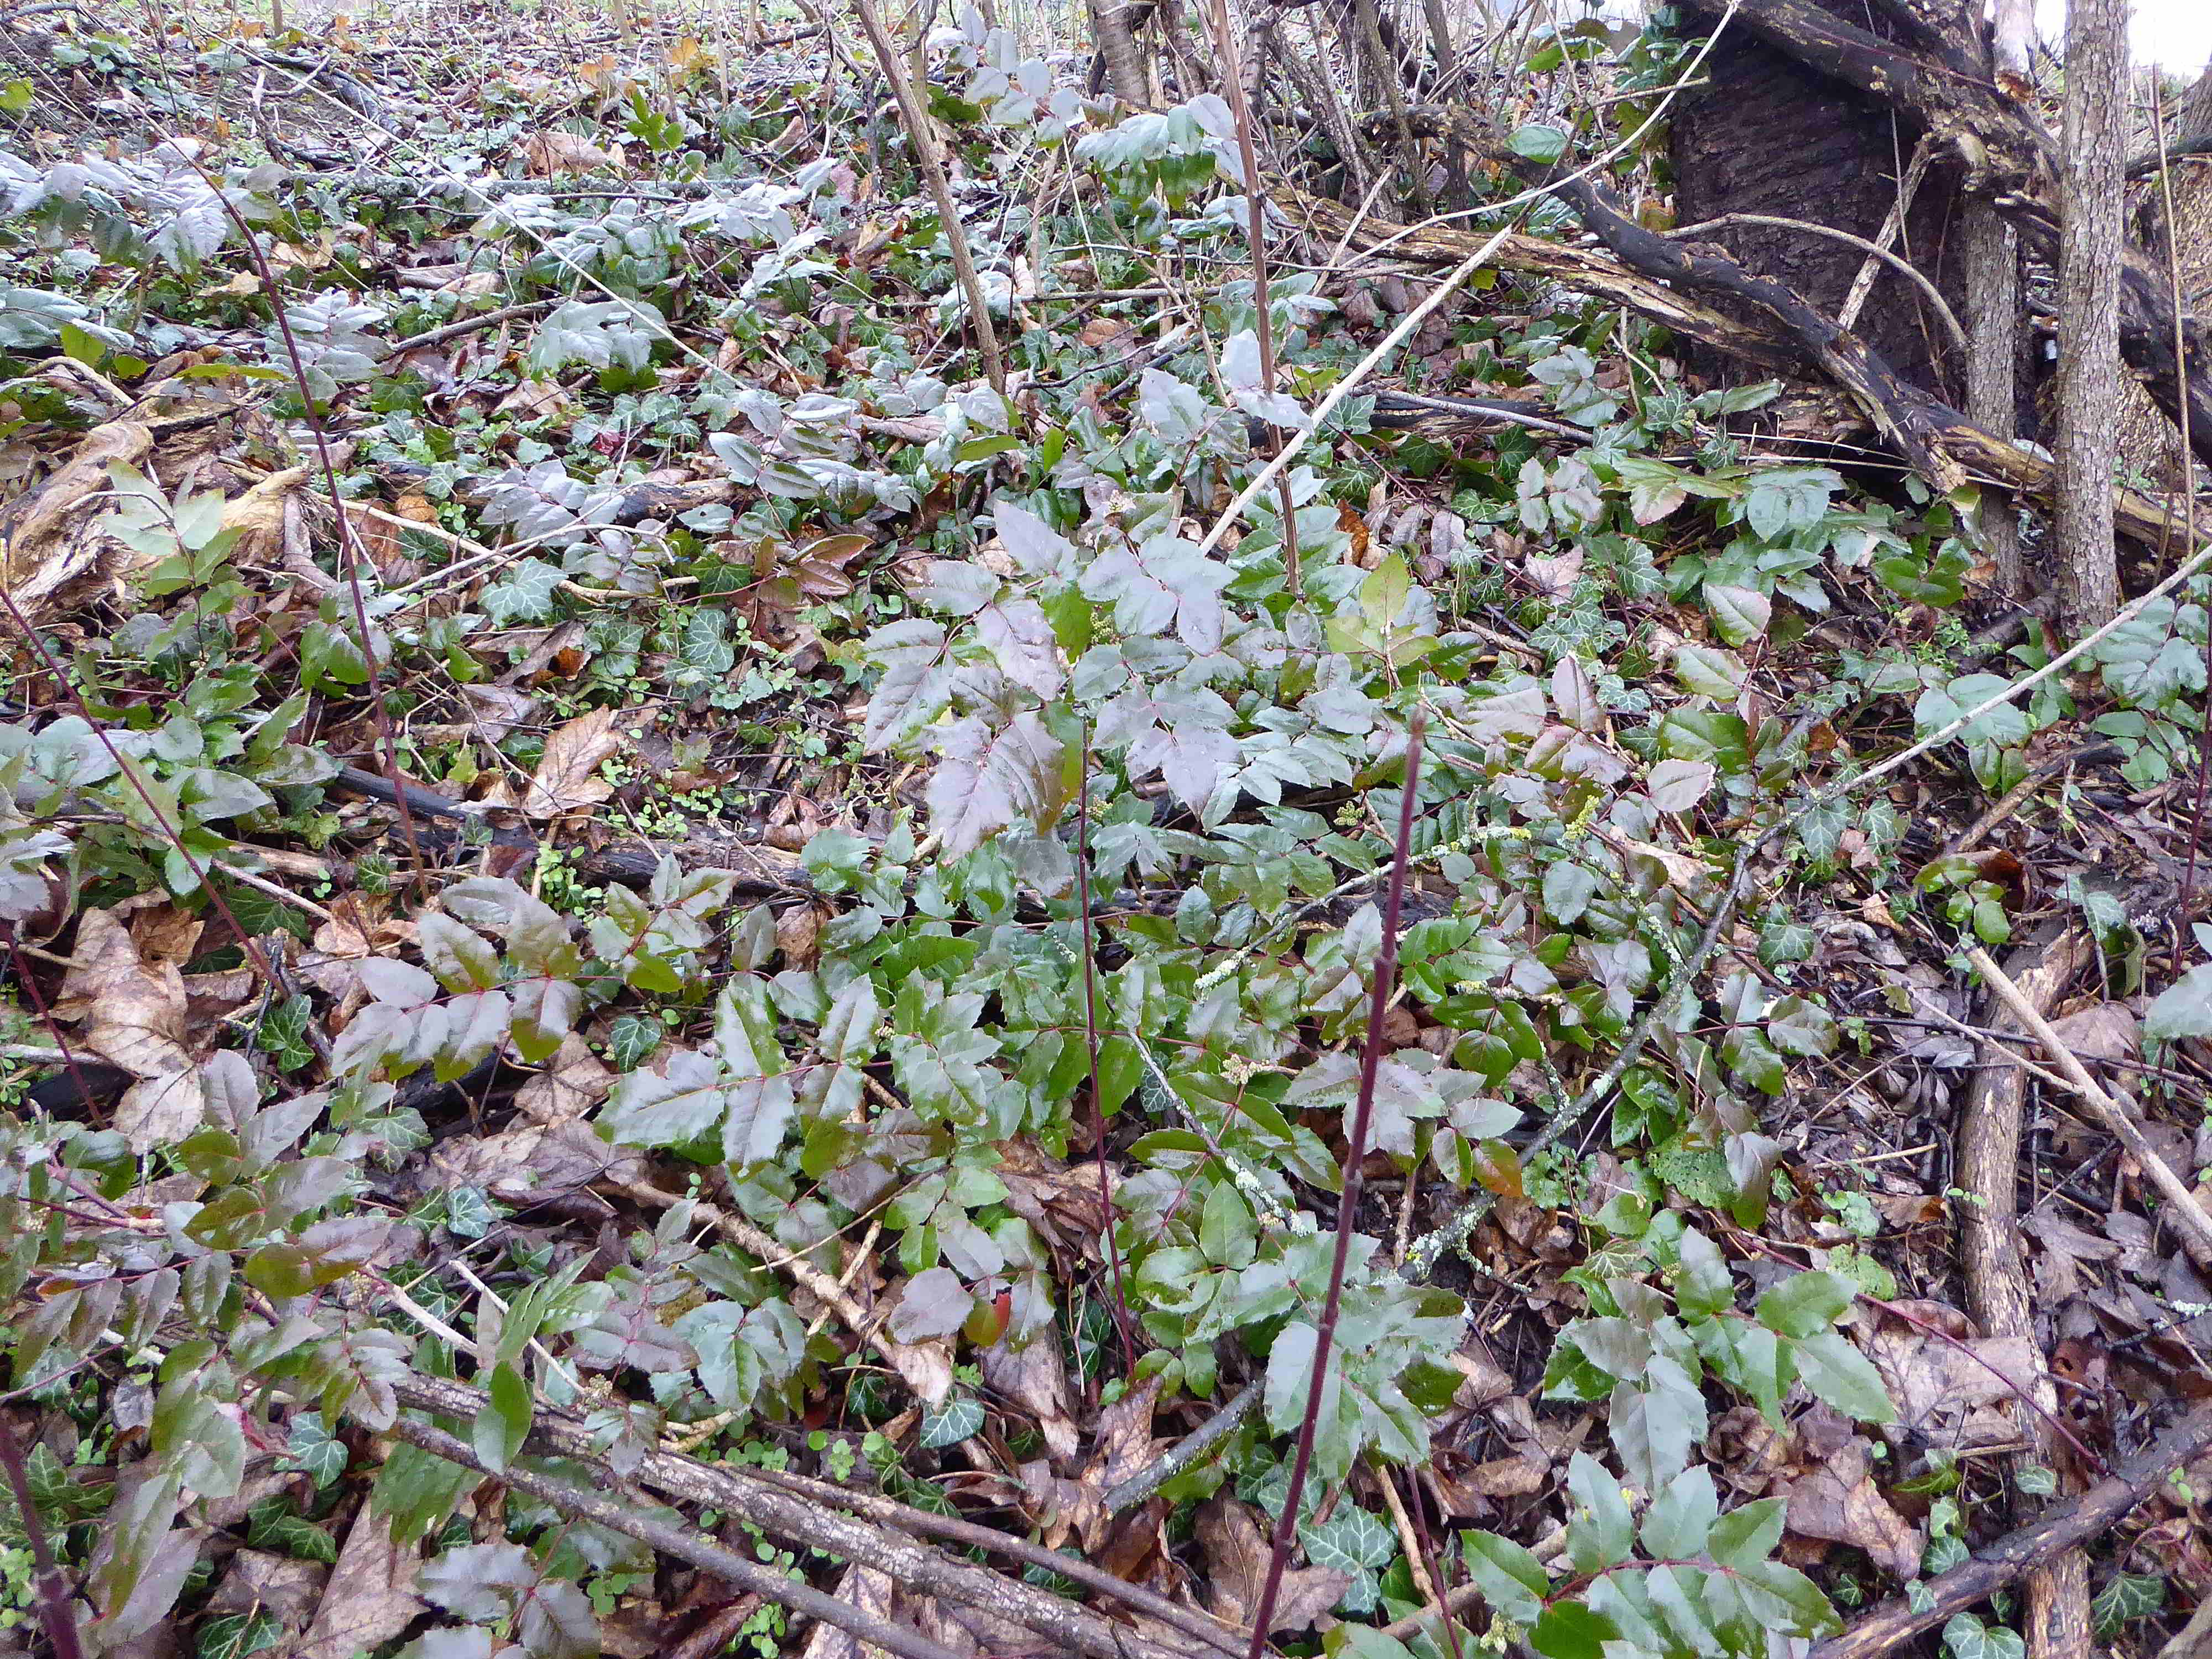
616 866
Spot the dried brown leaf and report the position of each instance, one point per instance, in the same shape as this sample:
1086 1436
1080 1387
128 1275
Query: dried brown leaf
1838 1502
552 153
46 539
571 1083
1235 1547
370 1597
134 1016
1034 1378
565 779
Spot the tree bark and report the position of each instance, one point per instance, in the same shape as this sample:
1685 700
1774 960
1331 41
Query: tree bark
1840 165
1993 297
2014 163
1125 70
2091 238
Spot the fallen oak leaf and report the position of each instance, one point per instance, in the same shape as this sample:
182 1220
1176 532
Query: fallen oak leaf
566 779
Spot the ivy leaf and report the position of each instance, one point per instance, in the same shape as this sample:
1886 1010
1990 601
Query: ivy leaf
314 1449
2128 1596
960 1418
1968 1637
524 594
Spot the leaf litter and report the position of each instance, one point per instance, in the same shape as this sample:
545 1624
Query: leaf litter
757 706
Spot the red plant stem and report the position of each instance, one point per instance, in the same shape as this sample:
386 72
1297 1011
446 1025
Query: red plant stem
348 543
1347 1202
1091 1042
47 1583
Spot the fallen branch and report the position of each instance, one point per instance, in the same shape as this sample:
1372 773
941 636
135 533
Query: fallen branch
2061 1527
1606 275
809 1521
1996 1278
2011 160
2186 1209
683 1546
454 330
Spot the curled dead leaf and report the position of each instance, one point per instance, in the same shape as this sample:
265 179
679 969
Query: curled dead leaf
134 1016
47 538
566 780
550 153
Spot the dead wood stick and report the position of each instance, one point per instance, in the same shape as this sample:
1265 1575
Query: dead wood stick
924 1367
684 1546
951 1530
1996 1278
2187 1211
812 1523
454 330
2061 1526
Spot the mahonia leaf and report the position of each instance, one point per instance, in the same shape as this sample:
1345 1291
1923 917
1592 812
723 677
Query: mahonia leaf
988 780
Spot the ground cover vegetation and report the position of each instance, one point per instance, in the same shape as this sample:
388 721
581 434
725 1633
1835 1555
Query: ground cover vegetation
701 961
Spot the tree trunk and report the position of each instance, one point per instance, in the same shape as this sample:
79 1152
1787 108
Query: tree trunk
1770 136
1127 71
1993 283
2091 228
